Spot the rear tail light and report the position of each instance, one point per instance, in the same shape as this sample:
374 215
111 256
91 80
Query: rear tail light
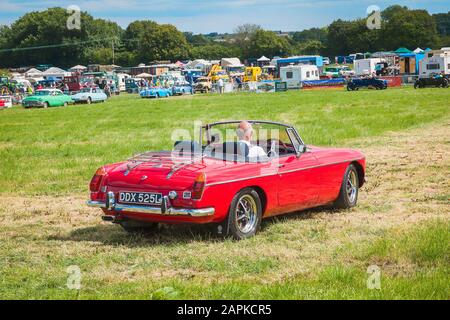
96 180
199 186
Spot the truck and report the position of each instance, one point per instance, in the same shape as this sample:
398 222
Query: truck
293 75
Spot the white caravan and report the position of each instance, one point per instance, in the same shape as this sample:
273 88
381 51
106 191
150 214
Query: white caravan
121 77
435 62
365 67
294 75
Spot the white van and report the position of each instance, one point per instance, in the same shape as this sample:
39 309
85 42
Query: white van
294 75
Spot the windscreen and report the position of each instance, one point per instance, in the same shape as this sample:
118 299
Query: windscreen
247 141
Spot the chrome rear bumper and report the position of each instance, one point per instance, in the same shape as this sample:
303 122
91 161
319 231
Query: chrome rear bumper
165 209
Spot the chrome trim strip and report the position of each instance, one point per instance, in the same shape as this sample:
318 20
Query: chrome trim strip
203 212
283 172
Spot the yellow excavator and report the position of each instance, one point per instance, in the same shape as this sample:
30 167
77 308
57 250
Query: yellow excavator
252 74
217 73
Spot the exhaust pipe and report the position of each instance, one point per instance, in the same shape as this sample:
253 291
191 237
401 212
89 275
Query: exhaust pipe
109 218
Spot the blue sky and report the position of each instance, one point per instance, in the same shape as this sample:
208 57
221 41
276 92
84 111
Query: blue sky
203 16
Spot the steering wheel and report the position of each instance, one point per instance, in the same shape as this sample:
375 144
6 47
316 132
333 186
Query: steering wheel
273 142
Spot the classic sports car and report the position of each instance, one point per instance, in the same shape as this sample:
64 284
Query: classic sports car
355 84
47 98
181 88
438 81
345 71
217 180
202 84
89 95
155 92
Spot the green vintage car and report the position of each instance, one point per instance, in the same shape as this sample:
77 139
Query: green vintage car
47 98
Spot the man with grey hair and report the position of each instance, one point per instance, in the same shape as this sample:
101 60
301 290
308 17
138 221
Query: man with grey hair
245 133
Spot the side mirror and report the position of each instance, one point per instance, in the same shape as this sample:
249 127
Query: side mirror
301 149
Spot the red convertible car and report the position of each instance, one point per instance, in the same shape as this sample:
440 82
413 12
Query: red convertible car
233 175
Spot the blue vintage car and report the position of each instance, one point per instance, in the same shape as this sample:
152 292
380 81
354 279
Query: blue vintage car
356 83
155 92
181 88
89 95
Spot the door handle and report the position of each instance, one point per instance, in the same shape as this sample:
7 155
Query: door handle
281 165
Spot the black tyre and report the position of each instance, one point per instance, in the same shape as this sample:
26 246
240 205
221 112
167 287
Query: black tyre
244 217
89 100
46 105
445 83
65 104
416 85
348 194
132 226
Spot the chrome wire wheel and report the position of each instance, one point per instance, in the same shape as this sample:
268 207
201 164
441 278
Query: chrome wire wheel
352 186
246 214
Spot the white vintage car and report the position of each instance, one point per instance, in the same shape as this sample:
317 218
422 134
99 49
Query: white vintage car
89 95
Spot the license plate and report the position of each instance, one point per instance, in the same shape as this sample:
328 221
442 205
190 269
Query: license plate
140 197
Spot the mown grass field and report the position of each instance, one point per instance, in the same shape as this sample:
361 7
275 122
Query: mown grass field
401 223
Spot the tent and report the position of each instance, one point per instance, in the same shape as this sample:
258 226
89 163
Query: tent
418 50
144 75
263 59
231 62
77 68
55 73
402 50
33 72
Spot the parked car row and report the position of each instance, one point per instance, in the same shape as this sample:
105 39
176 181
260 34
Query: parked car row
161 92
45 98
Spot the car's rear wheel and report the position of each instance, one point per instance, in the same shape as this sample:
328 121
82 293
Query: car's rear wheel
89 100
244 217
445 83
348 194
132 226
65 104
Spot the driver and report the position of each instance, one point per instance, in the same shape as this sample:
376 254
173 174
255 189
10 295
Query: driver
245 133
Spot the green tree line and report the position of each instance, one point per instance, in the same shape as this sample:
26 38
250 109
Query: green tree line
102 41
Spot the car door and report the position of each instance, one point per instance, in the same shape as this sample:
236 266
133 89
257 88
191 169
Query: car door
298 181
57 98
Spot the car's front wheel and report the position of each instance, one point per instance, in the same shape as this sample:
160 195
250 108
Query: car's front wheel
348 194
244 217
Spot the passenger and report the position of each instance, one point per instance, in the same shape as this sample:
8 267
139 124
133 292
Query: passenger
245 133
